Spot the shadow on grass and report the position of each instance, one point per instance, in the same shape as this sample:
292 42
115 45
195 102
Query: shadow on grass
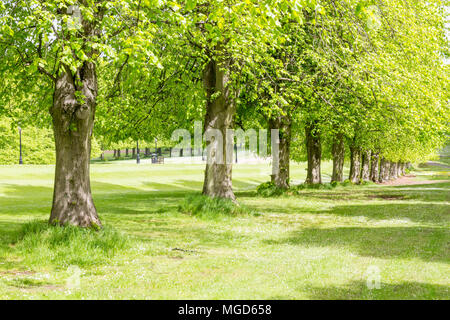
426 213
359 290
429 244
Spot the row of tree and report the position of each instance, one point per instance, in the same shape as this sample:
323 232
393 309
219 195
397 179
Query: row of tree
367 75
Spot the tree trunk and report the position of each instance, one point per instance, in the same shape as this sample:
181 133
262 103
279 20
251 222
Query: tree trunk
219 116
404 168
365 170
72 125
126 152
355 164
314 151
282 176
118 153
393 171
374 172
338 150
384 170
399 169
115 153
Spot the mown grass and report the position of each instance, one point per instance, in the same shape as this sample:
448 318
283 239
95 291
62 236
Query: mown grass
314 244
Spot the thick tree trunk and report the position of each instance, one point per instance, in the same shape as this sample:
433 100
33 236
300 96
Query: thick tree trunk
365 170
219 116
384 170
72 125
355 164
393 171
399 169
338 150
374 172
314 151
282 176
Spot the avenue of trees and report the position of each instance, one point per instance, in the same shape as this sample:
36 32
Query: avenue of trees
363 81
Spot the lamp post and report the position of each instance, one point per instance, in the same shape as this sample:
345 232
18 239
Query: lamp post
20 145
138 159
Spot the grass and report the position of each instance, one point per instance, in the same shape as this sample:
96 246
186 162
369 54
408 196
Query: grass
212 208
314 244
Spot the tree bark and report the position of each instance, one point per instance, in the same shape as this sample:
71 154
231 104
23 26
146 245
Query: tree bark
374 168
393 171
314 151
384 170
338 151
404 165
283 124
355 164
220 110
72 125
399 169
365 170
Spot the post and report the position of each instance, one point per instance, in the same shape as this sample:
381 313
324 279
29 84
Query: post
138 159
20 145
235 151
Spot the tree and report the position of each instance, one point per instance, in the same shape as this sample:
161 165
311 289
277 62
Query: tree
61 46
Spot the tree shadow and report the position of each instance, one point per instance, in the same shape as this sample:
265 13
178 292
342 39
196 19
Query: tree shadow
358 290
195 185
428 244
25 199
415 212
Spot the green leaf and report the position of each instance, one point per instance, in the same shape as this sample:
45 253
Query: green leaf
190 4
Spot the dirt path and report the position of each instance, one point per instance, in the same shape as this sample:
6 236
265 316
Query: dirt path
409 180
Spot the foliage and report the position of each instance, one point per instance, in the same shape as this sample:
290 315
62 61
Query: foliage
38 146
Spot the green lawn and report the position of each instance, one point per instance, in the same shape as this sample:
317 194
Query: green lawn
317 245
